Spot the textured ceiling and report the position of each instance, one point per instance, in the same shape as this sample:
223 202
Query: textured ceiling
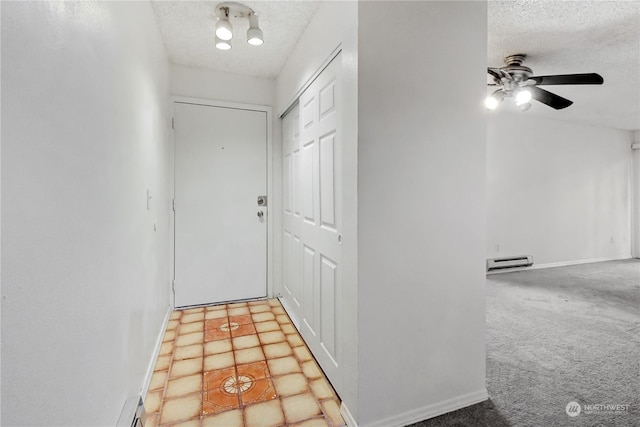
558 36
187 28
566 37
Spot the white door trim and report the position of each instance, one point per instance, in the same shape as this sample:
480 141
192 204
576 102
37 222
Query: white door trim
270 195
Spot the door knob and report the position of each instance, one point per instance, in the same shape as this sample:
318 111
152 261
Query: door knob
260 214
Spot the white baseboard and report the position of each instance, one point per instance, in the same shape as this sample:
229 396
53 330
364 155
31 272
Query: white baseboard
433 410
346 416
555 264
156 352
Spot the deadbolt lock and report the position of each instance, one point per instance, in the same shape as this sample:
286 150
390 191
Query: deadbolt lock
262 200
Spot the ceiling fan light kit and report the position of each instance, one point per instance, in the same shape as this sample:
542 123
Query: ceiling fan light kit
227 11
515 80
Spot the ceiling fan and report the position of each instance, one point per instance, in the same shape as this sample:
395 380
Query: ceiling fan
516 80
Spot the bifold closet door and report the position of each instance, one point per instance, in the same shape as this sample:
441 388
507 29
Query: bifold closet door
312 211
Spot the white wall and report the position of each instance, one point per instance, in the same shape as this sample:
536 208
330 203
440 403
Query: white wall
216 85
85 278
556 190
335 24
332 24
421 204
635 210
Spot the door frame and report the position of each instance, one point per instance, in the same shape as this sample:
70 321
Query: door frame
271 198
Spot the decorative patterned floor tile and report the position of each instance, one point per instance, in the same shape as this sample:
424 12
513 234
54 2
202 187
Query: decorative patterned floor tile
216 323
255 371
238 365
218 395
241 320
256 391
216 334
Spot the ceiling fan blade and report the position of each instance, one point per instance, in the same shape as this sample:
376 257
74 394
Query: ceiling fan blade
548 98
569 79
495 75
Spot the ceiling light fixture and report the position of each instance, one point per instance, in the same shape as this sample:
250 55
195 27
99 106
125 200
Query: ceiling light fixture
227 11
522 98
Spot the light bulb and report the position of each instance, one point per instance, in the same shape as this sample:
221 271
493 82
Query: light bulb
491 103
525 106
523 97
254 34
223 44
223 29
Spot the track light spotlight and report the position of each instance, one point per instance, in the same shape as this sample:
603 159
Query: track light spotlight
254 34
224 30
223 44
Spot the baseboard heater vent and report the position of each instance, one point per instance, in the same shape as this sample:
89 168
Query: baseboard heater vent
509 262
133 414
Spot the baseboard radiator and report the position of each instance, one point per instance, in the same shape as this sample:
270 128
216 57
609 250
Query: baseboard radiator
132 414
509 262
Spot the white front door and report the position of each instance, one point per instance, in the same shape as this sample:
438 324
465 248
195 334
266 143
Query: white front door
312 218
220 170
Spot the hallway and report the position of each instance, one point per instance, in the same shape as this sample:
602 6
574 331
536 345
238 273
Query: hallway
241 364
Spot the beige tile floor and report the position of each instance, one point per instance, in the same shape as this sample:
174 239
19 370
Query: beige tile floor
241 364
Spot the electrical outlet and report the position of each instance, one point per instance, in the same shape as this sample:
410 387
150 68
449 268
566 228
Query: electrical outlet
497 247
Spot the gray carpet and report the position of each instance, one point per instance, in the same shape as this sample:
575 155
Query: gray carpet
555 336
